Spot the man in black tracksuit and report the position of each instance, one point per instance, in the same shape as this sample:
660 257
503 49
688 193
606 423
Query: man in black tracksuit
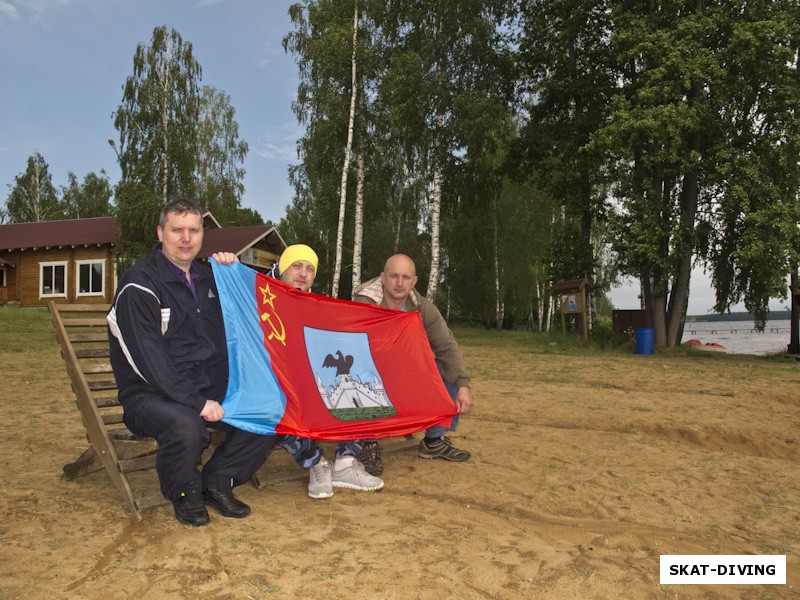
170 361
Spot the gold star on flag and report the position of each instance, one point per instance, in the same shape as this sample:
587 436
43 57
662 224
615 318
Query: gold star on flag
268 296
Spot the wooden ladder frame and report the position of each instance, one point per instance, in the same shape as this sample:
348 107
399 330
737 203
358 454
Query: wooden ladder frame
82 333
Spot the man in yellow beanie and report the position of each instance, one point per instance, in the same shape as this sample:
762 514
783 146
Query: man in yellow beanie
298 268
303 261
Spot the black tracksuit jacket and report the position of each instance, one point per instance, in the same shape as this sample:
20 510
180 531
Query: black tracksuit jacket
164 341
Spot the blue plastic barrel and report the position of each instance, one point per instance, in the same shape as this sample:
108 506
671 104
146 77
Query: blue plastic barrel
645 340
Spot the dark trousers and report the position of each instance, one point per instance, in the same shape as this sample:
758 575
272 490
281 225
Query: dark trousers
182 436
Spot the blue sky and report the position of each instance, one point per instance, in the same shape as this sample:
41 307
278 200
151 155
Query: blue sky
63 64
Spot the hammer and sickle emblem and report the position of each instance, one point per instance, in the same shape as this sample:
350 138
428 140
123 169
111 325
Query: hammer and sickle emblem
271 317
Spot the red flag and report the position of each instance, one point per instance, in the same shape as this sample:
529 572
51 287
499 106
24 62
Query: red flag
346 370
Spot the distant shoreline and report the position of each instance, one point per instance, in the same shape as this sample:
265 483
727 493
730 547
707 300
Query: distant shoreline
777 315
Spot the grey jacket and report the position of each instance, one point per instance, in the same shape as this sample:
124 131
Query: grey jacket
444 346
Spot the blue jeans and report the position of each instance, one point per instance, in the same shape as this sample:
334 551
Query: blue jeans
438 431
307 453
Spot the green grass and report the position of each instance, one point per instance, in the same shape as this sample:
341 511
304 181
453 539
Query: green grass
26 330
552 342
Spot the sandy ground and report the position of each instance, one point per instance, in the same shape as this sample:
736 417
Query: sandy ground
585 470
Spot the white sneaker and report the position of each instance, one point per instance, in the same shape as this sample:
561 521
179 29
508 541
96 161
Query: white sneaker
356 477
319 480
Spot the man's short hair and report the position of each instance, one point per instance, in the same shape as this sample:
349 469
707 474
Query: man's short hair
180 206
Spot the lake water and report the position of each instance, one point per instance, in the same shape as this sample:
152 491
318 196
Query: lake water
739 337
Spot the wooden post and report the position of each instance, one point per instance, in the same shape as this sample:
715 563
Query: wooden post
583 315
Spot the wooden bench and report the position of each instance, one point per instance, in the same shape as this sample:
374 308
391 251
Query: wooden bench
82 333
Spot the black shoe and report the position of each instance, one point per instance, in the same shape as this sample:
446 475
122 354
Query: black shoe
370 457
189 509
442 448
224 502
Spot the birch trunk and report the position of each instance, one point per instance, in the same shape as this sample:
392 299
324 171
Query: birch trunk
436 200
164 125
436 207
499 309
359 209
337 270
397 232
36 210
359 216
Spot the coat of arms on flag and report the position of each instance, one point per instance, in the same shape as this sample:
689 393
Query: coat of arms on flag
348 382
323 368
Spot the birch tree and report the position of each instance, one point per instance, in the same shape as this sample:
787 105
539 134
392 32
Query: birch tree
358 234
157 123
445 58
33 197
751 238
220 154
346 163
92 198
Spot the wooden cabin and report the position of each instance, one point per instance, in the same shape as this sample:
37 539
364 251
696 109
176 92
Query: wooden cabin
66 261
72 261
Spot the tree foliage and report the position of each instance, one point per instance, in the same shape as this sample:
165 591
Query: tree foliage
752 238
157 124
410 90
689 128
92 198
176 138
220 154
544 133
33 197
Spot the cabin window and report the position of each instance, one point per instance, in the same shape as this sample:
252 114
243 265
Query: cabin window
90 277
52 279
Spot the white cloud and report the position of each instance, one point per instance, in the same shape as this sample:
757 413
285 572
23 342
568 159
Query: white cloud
279 143
204 3
33 10
270 52
8 10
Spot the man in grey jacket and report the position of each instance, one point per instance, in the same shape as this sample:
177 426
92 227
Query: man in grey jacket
395 289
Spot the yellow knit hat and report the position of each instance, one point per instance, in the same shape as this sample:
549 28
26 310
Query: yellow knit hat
294 253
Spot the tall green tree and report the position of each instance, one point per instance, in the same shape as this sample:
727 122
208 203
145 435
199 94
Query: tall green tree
498 235
681 149
660 140
220 156
753 240
447 77
158 124
348 150
327 48
569 81
33 197
400 64
92 198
